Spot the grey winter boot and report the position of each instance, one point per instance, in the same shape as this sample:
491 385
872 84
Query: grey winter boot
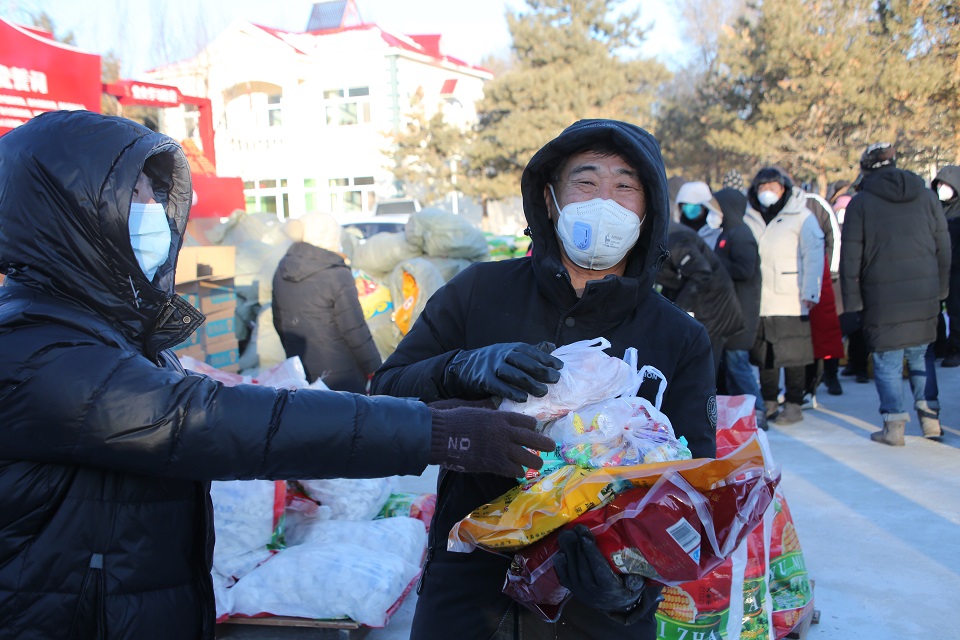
773 409
930 423
791 414
891 434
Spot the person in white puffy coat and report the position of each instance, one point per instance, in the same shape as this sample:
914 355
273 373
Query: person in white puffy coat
791 267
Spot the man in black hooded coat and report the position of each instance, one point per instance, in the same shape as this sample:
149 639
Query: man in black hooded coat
504 307
107 445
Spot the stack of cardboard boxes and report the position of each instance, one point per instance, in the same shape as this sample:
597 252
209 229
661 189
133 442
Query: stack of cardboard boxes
205 279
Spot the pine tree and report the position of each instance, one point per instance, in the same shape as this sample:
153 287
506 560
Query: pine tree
572 60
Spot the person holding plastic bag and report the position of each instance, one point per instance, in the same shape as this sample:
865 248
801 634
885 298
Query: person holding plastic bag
596 201
107 445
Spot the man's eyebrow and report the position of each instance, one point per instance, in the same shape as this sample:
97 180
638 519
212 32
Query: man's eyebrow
585 168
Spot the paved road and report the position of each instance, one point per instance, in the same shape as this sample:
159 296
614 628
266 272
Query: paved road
879 526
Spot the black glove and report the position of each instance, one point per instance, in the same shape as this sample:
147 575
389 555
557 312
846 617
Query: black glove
509 370
583 570
476 440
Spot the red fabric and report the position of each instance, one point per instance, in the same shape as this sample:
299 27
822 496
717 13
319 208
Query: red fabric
824 323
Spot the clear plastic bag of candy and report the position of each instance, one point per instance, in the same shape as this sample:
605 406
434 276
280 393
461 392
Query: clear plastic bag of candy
615 433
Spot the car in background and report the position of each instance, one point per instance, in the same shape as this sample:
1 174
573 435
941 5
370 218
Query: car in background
391 206
366 225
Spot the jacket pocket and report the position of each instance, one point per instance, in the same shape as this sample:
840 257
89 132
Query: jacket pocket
89 620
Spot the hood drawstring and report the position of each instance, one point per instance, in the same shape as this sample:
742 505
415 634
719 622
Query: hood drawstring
136 293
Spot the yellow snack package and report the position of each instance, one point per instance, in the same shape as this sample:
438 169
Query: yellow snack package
536 508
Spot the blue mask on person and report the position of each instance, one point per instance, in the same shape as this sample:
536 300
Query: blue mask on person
691 211
150 236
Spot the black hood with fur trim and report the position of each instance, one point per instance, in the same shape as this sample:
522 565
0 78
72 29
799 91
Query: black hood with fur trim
641 150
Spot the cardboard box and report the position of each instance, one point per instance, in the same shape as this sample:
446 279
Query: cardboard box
210 296
219 325
224 354
215 262
193 341
194 351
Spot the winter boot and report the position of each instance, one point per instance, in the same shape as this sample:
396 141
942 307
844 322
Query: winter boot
773 409
930 423
791 414
891 434
952 359
832 383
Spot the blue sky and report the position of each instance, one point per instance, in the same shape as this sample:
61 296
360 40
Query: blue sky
469 29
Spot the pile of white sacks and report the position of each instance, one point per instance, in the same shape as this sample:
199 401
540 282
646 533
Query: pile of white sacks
434 247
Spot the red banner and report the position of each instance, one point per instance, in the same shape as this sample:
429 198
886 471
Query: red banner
216 197
38 74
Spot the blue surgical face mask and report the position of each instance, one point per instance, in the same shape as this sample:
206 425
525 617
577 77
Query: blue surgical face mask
690 210
150 236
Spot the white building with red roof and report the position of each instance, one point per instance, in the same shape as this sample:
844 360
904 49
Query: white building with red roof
304 118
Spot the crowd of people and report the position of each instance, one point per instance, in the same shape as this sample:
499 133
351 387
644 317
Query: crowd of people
107 445
869 265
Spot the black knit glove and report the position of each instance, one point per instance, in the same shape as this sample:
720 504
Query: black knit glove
476 440
583 570
508 369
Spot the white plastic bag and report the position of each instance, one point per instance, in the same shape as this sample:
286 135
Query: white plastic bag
350 499
326 581
588 376
404 537
245 523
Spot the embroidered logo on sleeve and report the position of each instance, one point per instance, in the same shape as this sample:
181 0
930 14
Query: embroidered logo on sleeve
712 411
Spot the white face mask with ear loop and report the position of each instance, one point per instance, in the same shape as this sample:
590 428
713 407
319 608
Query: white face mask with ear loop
714 219
945 192
150 236
596 234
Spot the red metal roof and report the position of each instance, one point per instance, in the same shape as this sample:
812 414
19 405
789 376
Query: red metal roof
427 45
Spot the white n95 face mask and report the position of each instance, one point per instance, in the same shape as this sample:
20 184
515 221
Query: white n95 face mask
598 233
714 219
150 236
945 192
767 198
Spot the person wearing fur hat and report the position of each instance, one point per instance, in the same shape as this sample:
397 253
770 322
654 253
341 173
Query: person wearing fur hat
791 265
596 201
316 309
947 187
895 268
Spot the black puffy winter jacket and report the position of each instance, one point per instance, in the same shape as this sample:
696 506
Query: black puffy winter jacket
106 443
532 300
317 313
895 259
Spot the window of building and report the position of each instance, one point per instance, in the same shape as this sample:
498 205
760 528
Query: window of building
351 195
347 106
274 116
265 196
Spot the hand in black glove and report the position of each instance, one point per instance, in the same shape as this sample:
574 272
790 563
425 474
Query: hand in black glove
509 370
467 438
583 570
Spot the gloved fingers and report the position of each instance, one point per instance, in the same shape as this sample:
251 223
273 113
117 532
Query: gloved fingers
524 435
456 403
547 347
505 389
518 379
541 366
526 458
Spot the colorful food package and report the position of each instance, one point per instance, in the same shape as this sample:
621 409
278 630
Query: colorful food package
761 591
789 583
533 510
670 533
617 432
413 505
374 297
588 376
